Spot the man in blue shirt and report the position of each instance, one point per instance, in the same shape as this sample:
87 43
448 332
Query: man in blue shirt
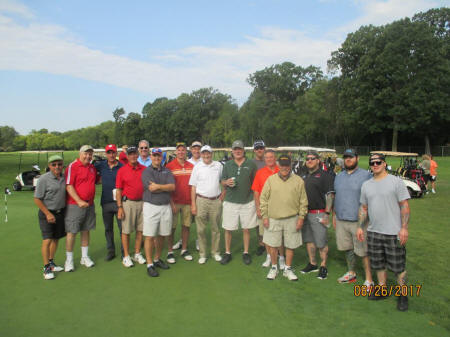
144 153
347 187
107 169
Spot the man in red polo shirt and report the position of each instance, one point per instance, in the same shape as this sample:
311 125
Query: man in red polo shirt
129 190
261 176
81 177
180 200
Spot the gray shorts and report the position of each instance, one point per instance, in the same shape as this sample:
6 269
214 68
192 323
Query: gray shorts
314 231
346 237
79 219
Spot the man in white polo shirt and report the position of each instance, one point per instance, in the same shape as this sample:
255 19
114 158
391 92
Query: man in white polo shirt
206 199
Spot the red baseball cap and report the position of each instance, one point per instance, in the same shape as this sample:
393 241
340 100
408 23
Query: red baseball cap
110 147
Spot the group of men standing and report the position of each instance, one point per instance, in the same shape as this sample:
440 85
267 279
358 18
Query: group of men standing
148 198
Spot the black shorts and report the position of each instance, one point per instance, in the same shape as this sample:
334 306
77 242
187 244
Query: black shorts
432 178
386 252
426 177
52 230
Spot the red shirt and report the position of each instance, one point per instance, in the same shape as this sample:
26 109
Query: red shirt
83 179
261 177
129 181
182 174
123 158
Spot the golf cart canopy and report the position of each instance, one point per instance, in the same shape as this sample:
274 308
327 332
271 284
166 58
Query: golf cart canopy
396 154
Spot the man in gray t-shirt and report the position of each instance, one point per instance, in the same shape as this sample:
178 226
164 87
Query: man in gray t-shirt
384 201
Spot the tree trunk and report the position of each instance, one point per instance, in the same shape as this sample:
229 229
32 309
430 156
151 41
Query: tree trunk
383 141
394 137
427 145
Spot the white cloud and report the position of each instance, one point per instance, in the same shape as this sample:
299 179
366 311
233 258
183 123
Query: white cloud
14 7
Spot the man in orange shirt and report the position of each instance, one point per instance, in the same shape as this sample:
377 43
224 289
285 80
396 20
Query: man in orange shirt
257 186
433 174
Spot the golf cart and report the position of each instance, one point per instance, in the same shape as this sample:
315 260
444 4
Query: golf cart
409 171
297 153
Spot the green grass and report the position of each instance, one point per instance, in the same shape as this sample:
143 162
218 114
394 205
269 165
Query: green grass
213 300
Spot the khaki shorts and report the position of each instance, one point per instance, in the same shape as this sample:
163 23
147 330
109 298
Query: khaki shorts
157 219
134 219
261 227
79 219
234 213
280 229
346 237
183 211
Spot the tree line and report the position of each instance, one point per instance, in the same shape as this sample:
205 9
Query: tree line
385 86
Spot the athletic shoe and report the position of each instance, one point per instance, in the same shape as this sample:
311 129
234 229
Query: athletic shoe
139 258
171 258
217 257
48 274
161 264
54 267
126 261
197 246
111 255
186 255
347 278
152 272
226 258
310 268
374 296
260 250
368 284
86 261
202 260
289 273
323 272
246 258
402 303
433 191
267 263
282 262
177 245
273 272
68 266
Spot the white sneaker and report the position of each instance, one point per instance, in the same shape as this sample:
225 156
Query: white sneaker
171 258
197 246
186 255
282 262
126 261
433 190
86 261
177 245
273 272
267 263
48 274
368 284
55 268
139 258
289 273
202 260
68 266
218 257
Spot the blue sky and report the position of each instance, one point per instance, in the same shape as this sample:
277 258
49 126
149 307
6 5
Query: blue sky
69 64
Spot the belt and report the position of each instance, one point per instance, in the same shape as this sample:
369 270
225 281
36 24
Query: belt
316 211
57 211
132 199
213 198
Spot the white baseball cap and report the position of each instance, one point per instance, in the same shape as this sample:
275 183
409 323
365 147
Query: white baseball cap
206 148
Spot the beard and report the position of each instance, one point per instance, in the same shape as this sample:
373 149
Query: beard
351 167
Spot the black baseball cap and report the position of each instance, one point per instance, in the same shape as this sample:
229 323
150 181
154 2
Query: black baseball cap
258 144
284 160
378 156
132 149
312 153
350 153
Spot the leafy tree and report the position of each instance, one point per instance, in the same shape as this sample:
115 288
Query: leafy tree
7 135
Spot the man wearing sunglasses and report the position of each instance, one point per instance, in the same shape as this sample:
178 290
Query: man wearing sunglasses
107 170
50 197
319 189
384 200
347 187
144 153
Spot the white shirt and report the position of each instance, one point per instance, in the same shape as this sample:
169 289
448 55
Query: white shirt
206 179
194 162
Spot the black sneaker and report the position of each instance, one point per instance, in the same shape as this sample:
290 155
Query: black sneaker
226 258
160 264
111 255
402 303
309 268
152 272
246 258
323 272
376 297
260 250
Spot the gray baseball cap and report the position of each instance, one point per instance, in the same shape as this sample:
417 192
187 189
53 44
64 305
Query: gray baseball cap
237 144
86 148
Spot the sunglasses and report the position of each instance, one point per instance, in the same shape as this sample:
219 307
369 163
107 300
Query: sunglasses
259 148
56 164
143 147
310 158
376 163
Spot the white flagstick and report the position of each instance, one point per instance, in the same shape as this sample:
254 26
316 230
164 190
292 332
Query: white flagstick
6 209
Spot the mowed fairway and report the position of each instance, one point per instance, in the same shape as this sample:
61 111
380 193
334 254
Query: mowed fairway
213 300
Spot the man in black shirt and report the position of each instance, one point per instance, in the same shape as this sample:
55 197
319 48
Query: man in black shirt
319 190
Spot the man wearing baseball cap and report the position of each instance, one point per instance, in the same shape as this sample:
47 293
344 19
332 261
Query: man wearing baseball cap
158 183
347 189
50 197
180 201
284 206
238 207
259 148
207 196
195 150
81 177
107 170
